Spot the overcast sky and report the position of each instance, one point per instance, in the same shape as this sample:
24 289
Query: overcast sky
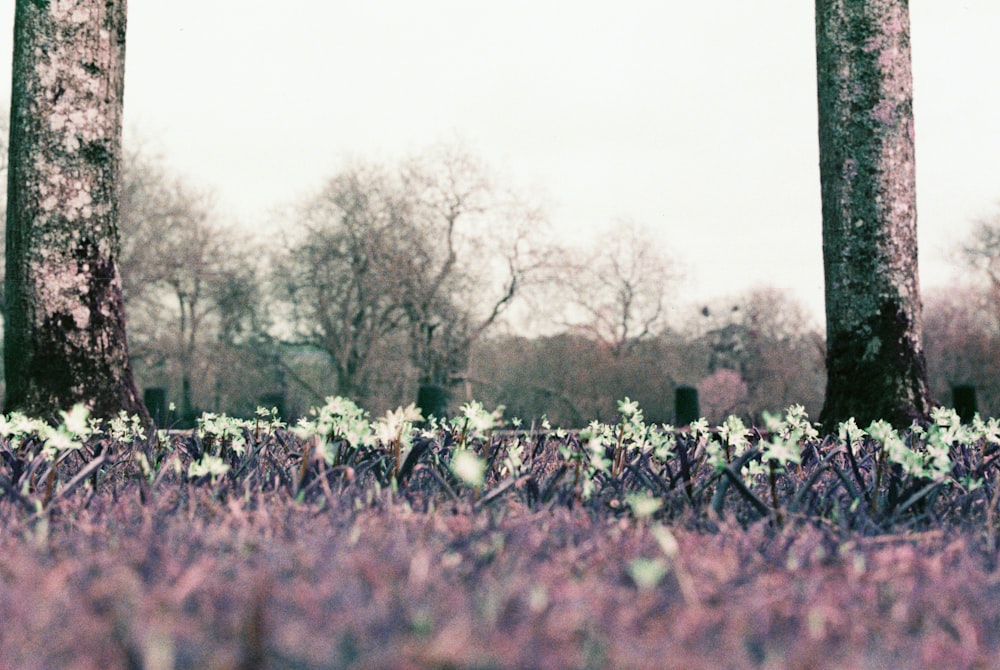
697 119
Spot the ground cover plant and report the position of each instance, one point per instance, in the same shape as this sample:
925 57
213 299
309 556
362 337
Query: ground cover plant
347 542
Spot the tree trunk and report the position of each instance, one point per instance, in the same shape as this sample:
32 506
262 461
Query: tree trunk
875 360
65 331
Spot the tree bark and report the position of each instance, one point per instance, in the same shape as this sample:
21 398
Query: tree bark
65 331
875 360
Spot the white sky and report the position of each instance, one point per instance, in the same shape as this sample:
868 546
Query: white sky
697 119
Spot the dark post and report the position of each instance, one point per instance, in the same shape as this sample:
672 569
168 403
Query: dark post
432 400
686 408
963 398
155 399
275 400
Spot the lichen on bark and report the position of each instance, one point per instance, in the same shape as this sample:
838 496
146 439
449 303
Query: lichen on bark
875 360
65 327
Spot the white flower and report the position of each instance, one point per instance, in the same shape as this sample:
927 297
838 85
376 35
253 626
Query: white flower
699 427
75 421
945 417
734 432
643 505
850 432
58 441
783 451
397 425
627 407
208 465
125 428
469 467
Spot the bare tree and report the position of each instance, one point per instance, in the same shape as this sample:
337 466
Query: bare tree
962 326
981 251
474 256
875 358
65 325
962 339
187 281
431 253
617 291
784 352
342 290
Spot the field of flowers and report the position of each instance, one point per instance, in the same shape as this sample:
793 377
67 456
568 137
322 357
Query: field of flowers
348 542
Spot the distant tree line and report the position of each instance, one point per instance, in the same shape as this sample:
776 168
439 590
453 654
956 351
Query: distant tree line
389 280
378 285
743 358
223 320
372 293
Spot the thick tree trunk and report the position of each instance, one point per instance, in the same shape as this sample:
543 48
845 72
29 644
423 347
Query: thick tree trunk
875 360
65 328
